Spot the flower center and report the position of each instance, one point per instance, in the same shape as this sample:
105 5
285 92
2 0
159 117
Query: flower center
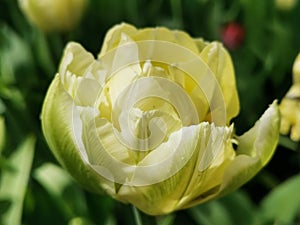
147 123
145 108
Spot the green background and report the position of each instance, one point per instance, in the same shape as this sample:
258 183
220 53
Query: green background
35 190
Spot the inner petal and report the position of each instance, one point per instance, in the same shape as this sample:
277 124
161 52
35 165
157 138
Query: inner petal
149 123
137 93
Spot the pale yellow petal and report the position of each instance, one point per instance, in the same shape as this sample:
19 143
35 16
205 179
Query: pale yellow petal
219 61
173 170
163 34
255 148
122 33
296 70
113 37
200 43
290 113
80 75
59 123
214 156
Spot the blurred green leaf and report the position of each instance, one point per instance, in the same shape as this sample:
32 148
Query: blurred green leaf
14 182
2 134
176 6
14 95
211 213
49 172
137 216
80 221
282 205
15 52
2 106
4 206
67 196
166 220
43 53
110 221
286 142
241 209
233 209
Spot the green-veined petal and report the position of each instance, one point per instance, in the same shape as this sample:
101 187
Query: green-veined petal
178 155
58 127
219 61
255 148
214 156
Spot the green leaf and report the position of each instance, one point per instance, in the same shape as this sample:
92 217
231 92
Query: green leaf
14 182
286 142
282 205
4 206
15 53
240 208
166 220
211 213
55 180
235 208
43 53
47 173
110 221
2 134
59 184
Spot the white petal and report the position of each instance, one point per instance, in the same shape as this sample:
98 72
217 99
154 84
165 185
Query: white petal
214 155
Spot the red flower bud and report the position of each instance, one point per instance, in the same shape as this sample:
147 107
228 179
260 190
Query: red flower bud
232 35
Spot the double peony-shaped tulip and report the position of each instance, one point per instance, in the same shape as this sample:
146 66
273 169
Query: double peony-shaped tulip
148 120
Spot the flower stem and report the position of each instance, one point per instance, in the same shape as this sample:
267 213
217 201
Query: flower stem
137 216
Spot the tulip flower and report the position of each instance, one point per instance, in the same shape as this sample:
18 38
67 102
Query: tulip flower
290 106
285 4
148 121
53 15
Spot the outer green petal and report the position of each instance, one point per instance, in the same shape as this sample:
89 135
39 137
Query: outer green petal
58 129
255 148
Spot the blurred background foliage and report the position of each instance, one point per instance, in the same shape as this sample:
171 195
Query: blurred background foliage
263 38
